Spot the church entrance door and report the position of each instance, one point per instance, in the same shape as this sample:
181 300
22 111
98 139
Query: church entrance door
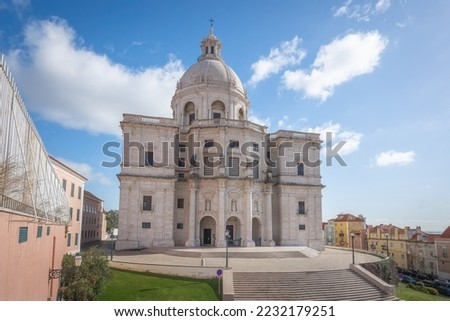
207 236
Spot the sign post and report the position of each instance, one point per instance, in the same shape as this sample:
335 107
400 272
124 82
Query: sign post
219 274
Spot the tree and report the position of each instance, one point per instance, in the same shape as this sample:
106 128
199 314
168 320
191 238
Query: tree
84 283
112 219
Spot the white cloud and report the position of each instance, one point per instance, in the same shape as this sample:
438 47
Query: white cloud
391 158
352 138
362 11
87 171
288 54
338 62
78 88
258 120
382 6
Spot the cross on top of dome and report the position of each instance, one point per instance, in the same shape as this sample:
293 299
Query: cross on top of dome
211 45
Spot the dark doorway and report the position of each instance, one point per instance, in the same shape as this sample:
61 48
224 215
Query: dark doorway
207 236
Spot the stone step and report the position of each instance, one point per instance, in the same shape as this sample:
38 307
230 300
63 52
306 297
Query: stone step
317 286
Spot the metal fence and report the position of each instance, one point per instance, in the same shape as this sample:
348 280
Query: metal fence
28 182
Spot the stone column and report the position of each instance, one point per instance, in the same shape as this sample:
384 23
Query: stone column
267 231
248 201
193 238
220 232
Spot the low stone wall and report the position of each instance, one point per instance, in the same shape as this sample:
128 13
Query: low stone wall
387 288
198 272
228 287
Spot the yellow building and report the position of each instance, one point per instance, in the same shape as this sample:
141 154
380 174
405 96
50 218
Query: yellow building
391 241
344 225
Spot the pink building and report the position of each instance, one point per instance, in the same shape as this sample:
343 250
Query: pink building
94 222
73 185
34 210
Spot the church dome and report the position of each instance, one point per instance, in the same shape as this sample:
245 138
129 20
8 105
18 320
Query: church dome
210 71
210 89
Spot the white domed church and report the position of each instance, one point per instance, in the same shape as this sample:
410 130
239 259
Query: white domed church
210 177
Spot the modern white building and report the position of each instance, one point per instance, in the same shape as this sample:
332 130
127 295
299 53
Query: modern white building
209 176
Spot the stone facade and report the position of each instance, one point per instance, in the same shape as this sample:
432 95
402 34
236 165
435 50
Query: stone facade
209 176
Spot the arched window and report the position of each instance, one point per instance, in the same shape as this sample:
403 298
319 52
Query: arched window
241 115
217 109
189 113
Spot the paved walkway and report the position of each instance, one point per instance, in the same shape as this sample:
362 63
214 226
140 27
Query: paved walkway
258 259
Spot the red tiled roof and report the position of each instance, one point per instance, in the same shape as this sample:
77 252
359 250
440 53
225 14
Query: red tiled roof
348 218
446 233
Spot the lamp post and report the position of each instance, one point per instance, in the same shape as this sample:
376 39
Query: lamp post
353 247
56 273
227 237
387 243
112 245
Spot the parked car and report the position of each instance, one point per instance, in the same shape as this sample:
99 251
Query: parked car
442 282
429 283
408 279
444 290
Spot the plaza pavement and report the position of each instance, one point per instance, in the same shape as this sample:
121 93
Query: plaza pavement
241 259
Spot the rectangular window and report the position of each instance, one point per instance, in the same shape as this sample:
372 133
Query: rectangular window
209 143
302 227
191 118
255 169
217 115
23 234
48 230
64 185
233 164
147 203
180 203
233 144
76 239
71 213
149 159
431 265
179 226
39 231
208 170
444 251
79 192
69 239
255 147
182 148
300 169
182 162
146 225
301 208
72 190
78 214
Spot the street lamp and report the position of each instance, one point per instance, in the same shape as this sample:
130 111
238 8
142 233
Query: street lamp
227 237
56 273
353 247
387 243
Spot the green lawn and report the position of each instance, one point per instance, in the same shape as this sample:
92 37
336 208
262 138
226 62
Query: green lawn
407 294
137 286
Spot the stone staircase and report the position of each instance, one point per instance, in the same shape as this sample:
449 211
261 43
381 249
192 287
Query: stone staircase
335 285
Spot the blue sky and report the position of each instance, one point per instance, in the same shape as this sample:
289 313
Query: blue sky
374 73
